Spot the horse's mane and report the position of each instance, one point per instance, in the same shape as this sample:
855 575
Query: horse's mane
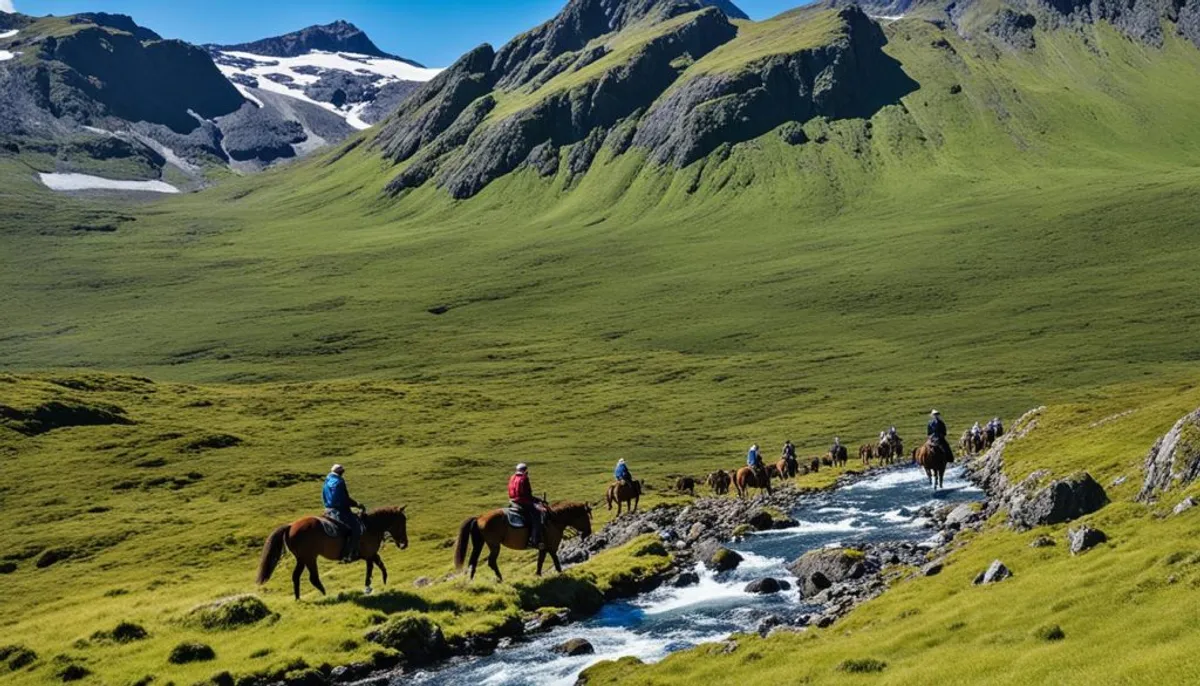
379 516
570 508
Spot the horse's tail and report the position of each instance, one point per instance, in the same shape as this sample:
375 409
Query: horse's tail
468 532
272 551
608 496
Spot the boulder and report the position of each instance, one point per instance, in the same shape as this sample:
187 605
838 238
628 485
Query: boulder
1174 460
762 586
766 624
1042 541
685 579
817 570
962 515
761 520
1061 501
717 557
932 569
1085 538
573 647
996 572
1184 505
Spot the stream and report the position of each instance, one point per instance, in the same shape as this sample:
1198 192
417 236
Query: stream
881 507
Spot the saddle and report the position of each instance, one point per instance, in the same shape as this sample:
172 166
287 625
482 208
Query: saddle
516 518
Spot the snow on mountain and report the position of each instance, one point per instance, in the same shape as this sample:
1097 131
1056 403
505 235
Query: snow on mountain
344 83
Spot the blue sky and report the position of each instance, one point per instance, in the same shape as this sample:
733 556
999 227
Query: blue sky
434 32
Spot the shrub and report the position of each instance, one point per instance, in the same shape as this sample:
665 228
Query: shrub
17 657
125 632
1050 632
418 639
862 666
190 652
229 613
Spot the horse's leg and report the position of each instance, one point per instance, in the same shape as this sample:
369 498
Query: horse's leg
541 561
296 577
476 549
314 577
493 555
554 559
382 570
370 568
636 499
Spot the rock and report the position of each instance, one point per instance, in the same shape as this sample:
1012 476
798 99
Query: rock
820 569
784 585
1061 501
696 531
766 624
825 621
546 619
422 581
573 647
717 557
1013 29
185 653
764 586
1184 505
932 569
1174 460
995 573
962 515
1042 541
761 520
1085 538
686 579
418 639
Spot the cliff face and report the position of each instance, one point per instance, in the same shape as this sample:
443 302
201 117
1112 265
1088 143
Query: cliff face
632 76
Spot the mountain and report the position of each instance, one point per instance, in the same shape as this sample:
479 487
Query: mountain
335 67
97 93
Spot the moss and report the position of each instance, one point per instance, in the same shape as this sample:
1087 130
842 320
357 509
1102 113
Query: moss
125 632
190 651
15 657
741 530
1049 632
862 666
229 613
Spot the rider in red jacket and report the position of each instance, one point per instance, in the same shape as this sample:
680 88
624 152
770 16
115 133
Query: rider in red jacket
520 492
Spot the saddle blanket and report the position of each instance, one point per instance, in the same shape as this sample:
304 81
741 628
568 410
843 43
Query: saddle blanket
516 519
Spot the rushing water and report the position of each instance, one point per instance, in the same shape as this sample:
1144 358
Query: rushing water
879 508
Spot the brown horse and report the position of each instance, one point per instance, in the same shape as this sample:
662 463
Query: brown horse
624 492
933 457
718 481
866 453
307 540
839 456
492 528
884 452
686 484
814 465
748 478
786 468
897 446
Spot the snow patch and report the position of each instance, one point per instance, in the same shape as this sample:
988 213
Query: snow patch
6 55
887 17
9 34
85 182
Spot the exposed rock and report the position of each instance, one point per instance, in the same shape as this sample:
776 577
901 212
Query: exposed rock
1085 538
340 36
961 515
723 560
767 624
187 652
1061 501
575 646
418 639
764 586
1042 541
686 579
1013 29
1184 505
820 569
932 569
1175 458
995 573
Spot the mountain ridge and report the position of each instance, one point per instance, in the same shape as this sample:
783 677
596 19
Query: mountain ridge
337 36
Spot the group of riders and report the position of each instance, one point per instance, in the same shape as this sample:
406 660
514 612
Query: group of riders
339 505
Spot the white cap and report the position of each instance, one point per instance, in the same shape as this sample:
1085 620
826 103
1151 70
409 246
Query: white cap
621 461
935 412
337 469
522 467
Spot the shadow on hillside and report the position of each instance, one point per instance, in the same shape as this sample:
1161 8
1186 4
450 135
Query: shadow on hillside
392 602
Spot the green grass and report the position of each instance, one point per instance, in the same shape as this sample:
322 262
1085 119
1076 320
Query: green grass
1030 240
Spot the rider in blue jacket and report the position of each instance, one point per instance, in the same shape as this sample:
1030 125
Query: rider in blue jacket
621 473
338 502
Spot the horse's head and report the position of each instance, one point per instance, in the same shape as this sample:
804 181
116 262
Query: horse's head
397 527
578 516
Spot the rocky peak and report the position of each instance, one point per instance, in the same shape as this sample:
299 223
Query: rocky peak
119 22
340 36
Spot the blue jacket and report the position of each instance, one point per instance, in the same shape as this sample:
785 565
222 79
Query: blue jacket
622 472
335 495
752 458
936 428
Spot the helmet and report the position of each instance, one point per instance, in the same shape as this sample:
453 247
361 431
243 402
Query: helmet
522 467
337 469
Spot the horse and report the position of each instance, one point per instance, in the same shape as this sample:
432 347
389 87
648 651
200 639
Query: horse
629 492
786 468
814 465
493 529
773 472
897 446
866 452
933 458
748 477
686 484
718 481
307 541
884 452
839 455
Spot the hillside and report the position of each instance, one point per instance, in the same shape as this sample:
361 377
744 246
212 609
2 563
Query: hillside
866 219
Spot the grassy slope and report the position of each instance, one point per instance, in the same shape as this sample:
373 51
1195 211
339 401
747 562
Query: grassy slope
1028 240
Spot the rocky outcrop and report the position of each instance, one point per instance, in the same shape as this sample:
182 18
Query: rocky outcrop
1174 460
340 36
574 647
1062 500
995 573
260 135
1085 538
1014 29
818 570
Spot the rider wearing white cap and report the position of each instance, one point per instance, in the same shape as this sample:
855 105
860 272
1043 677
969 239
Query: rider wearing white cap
622 473
936 431
338 504
520 493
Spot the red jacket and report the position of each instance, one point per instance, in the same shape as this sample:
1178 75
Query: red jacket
519 489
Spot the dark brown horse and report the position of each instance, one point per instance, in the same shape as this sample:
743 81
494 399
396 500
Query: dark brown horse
628 492
933 458
493 529
307 540
786 468
839 455
718 481
884 452
686 484
748 478
866 453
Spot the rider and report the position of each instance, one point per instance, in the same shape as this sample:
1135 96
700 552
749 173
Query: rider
835 449
754 460
621 473
976 430
337 507
997 427
936 430
893 434
521 495
789 452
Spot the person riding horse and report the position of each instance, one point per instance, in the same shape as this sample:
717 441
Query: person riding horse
789 454
754 461
836 448
936 431
338 504
622 473
520 493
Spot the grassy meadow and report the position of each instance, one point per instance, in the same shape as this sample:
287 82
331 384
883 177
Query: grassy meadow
1027 239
